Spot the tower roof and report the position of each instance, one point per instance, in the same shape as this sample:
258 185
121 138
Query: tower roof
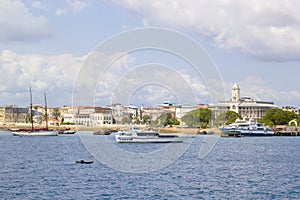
235 86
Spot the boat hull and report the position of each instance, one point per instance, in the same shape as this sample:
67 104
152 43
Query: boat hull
247 128
66 132
36 133
245 133
160 139
140 136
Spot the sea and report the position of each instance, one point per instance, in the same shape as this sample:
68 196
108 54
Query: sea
233 168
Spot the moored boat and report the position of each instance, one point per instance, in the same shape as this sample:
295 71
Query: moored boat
84 162
246 128
35 131
66 131
136 135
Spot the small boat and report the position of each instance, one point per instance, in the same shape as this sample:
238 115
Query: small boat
67 131
84 162
246 128
141 136
106 132
35 131
99 132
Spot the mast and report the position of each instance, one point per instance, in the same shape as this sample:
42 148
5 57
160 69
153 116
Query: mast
31 114
46 110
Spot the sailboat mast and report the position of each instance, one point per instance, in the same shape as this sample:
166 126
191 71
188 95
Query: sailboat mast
31 114
46 111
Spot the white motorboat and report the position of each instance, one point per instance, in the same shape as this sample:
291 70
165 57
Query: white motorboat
246 128
141 136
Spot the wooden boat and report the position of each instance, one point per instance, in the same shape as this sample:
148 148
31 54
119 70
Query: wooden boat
35 131
84 162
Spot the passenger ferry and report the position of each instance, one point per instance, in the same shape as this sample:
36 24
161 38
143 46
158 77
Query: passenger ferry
246 128
141 136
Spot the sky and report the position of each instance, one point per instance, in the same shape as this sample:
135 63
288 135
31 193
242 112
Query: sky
51 46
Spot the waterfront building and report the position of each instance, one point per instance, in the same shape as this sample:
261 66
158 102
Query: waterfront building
117 112
153 113
291 109
87 115
132 112
183 110
12 114
67 114
101 116
245 106
83 119
82 115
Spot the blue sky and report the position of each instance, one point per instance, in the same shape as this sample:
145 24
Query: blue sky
45 43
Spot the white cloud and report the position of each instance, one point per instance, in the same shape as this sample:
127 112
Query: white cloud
55 74
60 11
72 6
19 24
76 5
36 4
267 30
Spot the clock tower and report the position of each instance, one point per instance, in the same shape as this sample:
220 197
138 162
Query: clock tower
235 93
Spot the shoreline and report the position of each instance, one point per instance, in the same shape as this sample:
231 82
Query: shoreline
7 127
176 130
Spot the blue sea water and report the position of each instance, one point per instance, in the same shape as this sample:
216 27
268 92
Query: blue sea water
236 168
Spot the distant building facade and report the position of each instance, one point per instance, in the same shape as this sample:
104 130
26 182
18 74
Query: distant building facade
14 115
291 109
245 106
87 115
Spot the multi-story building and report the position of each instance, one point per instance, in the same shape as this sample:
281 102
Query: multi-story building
153 113
183 110
87 115
245 106
67 114
101 116
117 112
292 109
13 114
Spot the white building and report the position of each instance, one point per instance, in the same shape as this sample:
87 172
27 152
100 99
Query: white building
87 115
101 116
245 106
183 110
291 109
117 112
153 113
83 119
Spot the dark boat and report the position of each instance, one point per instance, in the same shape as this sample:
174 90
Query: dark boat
84 162
106 132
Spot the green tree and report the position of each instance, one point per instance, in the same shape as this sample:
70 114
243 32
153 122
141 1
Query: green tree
198 118
228 117
277 116
56 113
146 119
165 119
126 120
